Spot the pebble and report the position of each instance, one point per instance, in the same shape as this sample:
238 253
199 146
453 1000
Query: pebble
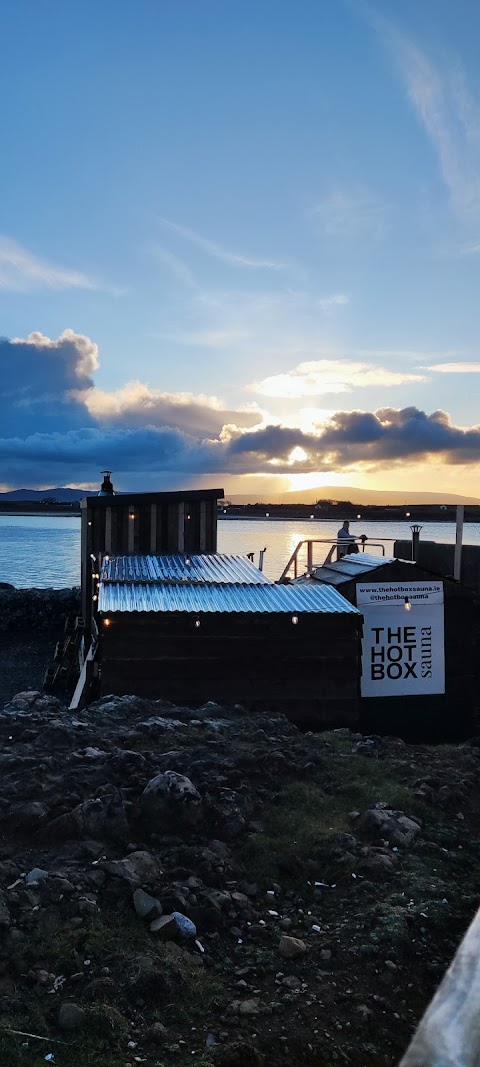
71 1017
35 876
291 948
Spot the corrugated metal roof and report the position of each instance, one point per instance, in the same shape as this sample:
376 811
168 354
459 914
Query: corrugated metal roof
348 567
256 599
183 568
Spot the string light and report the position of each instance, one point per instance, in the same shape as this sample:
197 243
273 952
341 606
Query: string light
93 558
408 606
197 623
294 619
106 622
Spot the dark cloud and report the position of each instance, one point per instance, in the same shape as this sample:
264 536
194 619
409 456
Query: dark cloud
373 438
56 426
39 378
379 439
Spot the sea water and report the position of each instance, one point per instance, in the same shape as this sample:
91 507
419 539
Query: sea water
44 550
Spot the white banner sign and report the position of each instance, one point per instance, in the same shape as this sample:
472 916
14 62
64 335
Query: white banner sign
403 638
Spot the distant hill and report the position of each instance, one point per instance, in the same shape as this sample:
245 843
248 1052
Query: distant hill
355 495
63 495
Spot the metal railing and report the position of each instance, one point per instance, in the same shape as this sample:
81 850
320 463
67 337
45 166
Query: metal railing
334 542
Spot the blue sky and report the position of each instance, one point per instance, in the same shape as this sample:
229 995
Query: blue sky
262 217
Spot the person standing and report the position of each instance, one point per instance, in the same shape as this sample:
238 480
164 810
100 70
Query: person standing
345 539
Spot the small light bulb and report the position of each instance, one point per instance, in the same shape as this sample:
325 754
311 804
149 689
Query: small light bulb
359 516
197 623
294 619
188 561
189 516
106 622
408 606
267 514
95 597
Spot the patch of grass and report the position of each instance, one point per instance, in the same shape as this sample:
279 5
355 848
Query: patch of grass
303 814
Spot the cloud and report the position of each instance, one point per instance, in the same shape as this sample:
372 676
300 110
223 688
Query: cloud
48 391
22 271
57 426
211 248
42 379
176 266
351 213
348 441
318 377
447 110
334 300
136 404
455 368
371 440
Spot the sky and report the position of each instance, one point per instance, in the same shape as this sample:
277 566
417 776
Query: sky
240 244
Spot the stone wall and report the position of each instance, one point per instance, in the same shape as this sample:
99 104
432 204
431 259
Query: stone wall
36 609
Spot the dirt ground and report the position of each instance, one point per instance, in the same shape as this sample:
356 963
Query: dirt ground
363 850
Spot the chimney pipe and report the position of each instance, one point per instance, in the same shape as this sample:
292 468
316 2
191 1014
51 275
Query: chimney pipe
106 487
415 541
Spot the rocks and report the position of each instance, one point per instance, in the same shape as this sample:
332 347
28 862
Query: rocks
170 800
146 907
185 926
291 948
36 609
71 1017
251 1006
384 824
35 876
137 869
165 928
170 927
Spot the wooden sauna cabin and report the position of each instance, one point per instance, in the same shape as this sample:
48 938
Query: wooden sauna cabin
193 628
166 616
422 629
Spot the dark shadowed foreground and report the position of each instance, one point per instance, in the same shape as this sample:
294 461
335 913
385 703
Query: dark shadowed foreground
329 878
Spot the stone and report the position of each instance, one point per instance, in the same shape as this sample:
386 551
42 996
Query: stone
291 948
185 926
137 869
71 1017
170 797
36 875
165 928
385 824
156 1034
146 907
245 1007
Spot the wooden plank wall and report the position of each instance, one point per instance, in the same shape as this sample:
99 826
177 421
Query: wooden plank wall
143 527
272 665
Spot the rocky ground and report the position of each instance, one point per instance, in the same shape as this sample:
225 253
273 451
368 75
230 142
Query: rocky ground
215 888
